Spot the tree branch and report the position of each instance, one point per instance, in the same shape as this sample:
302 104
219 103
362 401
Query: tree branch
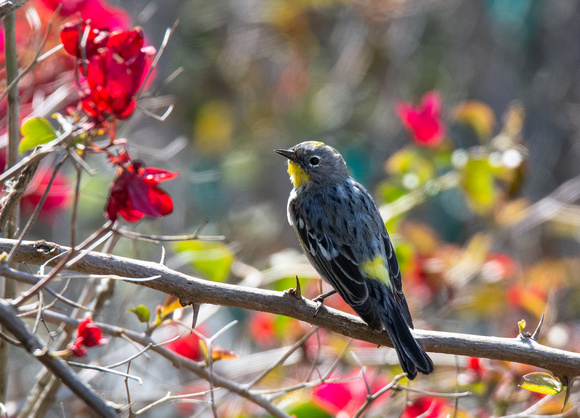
193 290
57 366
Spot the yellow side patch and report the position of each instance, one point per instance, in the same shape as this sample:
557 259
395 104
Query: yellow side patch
297 175
376 269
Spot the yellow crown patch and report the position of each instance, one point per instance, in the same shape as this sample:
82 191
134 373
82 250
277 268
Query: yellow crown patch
322 144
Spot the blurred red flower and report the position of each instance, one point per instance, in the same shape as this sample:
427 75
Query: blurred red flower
262 328
345 398
187 346
88 335
59 196
424 122
426 407
99 12
136 192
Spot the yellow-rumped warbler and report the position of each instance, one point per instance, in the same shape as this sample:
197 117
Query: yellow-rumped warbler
344 237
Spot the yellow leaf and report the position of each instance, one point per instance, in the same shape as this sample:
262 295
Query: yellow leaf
478 115
514 120
170 305
219 353
541 383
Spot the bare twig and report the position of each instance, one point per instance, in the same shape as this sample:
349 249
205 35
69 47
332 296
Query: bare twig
170 397
57 366
282 359
106 370
178 360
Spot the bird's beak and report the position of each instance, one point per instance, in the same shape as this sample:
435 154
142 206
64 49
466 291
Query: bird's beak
288 153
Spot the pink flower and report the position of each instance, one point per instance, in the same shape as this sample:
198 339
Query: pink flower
424 122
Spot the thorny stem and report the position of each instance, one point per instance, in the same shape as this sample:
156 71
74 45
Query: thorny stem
11 62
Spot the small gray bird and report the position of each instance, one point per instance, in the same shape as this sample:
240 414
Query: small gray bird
344 237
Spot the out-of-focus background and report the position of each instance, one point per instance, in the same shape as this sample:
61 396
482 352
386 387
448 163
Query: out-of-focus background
478 252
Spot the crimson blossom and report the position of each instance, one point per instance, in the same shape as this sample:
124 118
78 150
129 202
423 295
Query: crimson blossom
114 66
88 335
136 192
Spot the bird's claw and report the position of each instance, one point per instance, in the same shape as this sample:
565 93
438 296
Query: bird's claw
319 304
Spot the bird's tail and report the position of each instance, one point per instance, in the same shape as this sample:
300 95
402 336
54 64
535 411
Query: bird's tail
411 356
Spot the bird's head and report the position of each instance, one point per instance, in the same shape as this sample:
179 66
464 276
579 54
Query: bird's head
314 163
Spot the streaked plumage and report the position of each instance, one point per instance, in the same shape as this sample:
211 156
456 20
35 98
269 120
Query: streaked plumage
344 237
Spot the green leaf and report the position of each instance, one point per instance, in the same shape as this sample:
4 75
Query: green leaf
310 410
35 132
541 383
211 258
142 313
479 184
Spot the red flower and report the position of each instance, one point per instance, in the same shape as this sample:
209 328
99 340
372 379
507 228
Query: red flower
187 346
88 335
424 122
136 193
70 36
115 68
115 76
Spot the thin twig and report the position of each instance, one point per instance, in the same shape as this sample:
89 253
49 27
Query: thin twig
170 397
164 43
282 359
157 239
57 366
105 369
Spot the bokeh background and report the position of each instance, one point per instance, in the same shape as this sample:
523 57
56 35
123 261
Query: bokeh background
259 75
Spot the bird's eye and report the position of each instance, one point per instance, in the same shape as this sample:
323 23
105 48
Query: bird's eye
314 160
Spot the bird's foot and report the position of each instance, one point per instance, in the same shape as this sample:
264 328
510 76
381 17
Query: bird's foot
320 300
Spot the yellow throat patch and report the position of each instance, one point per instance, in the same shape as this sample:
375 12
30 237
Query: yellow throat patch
376 269
297 175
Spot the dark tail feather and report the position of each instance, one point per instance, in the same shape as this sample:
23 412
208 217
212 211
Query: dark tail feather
411 355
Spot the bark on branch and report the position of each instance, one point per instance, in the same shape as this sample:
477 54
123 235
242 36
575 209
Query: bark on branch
188 289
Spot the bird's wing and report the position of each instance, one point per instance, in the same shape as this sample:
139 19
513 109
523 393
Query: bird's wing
337 264
395 277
